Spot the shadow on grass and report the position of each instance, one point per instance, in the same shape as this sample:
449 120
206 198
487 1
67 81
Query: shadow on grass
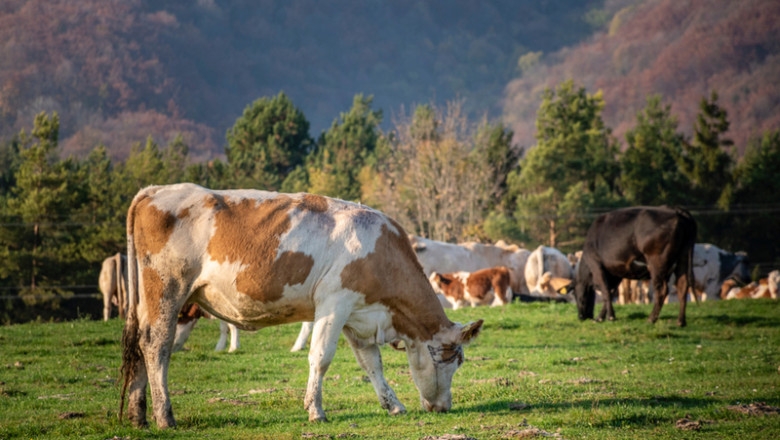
741 321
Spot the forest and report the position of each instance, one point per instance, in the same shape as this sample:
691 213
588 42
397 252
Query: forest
439 172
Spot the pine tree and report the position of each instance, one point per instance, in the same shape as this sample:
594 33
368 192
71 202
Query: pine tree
570 172
267 143
706 161
343 150
650 175
39 250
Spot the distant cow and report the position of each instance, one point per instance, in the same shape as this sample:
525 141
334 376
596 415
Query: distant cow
765 288
113 285
546 271
437 256
258 259
483 287
712 266
636 243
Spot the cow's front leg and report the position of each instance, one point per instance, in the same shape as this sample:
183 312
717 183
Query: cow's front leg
660 287
303 336
370 359
325 336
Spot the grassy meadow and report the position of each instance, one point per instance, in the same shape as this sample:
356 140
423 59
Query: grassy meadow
534 369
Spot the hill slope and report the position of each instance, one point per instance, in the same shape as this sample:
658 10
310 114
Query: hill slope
117 71
680 49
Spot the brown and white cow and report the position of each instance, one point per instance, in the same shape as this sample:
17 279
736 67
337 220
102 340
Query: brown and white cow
480 288
765 288
257 259
113 285
438 256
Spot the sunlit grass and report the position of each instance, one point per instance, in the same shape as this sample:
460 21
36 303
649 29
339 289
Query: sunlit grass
623 379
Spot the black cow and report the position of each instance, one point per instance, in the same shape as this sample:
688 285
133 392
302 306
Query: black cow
636 243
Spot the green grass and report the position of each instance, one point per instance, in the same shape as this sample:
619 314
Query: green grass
623 379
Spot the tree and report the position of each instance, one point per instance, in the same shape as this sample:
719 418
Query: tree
706 160
435 179
38 248
343 150
754 202
650 175
266 143
570 173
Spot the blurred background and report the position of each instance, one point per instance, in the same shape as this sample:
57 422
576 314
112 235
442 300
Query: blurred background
494 120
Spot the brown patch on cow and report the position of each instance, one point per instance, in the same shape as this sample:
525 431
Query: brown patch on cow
152 228
392 275
314 203
250 233
183 214
153 293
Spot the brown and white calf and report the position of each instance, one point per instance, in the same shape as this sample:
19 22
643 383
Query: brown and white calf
480 288
765 288
257 259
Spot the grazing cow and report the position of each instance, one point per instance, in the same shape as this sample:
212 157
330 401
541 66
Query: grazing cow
764 288
188 317
259 258
636 243
483 287
113 285
546 271
437 256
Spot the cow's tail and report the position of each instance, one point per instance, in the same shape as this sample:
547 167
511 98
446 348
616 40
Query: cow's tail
132 356
690 243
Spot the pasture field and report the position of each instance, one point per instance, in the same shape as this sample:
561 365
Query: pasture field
533 366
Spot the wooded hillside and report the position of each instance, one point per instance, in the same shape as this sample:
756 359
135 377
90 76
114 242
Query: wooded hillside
680 49
117 71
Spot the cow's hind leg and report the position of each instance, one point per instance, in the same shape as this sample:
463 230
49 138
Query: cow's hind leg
157 344
134 373
328 324
370 359
682 296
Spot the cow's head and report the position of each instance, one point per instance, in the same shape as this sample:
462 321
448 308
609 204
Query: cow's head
434 362
584 293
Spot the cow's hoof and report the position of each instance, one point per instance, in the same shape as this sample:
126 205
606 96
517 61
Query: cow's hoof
318 419
681 324
612 318
599 319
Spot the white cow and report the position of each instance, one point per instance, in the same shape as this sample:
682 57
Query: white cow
712 266
437 256
113 285
546 271
257 259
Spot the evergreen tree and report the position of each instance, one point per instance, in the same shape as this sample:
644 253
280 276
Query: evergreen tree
706 161
650 175
569 173
755 201
38 249
266 143
343 150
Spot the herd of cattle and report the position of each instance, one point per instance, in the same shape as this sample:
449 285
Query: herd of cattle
255 259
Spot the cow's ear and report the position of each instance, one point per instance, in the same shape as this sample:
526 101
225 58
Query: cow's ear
470 331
